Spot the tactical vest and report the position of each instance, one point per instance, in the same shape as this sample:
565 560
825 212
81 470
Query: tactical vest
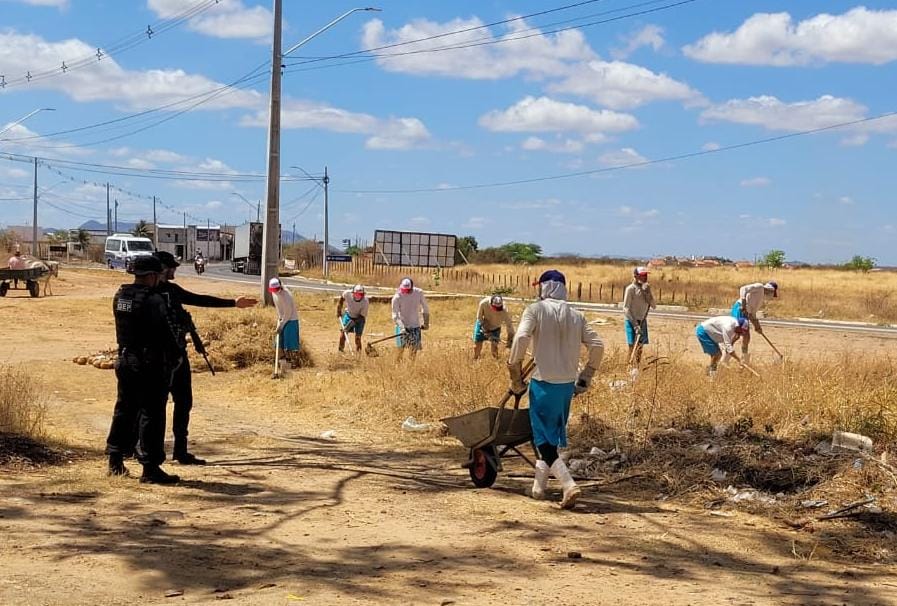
133 320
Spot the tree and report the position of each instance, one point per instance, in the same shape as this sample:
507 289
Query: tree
773 259
860 263
466 248
60 236
520 252
141 230
353 250
83 238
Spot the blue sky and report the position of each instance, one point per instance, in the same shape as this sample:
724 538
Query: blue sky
686 78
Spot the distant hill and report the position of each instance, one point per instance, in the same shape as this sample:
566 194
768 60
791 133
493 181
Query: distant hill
123 226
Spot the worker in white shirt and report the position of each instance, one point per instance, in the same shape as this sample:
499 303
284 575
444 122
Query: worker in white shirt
556 332
355 315
491 315
638 300
718 335
17 261
408 305
751 298
287 321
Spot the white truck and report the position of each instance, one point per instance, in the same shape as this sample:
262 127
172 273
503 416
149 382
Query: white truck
122 249
247 257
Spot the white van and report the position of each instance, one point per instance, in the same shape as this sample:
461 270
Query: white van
122 249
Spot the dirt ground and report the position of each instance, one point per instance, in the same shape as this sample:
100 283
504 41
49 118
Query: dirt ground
283 516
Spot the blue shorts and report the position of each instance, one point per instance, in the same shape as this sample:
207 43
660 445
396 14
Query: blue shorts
480 335
411 340
630 333
710 347
737 311
549 409
358 327
289 337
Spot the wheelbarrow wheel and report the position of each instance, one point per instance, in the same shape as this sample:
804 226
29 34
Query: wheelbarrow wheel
483 466
4 288
33 288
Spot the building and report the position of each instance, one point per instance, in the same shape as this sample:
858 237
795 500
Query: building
212 241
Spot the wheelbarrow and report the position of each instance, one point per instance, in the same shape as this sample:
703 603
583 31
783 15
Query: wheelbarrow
492 434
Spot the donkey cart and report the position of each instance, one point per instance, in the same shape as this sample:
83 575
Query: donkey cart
492 434
10 278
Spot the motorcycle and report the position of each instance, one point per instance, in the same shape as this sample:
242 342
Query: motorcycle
199 265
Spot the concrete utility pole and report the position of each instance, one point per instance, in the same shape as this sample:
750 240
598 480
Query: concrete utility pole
326 181
116 214
270 241
155 227
35 250
108 213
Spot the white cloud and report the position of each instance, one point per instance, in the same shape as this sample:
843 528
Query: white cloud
773 114
543 114
565 146
140 163
776 222
476 223
629 211
53 3
756 182
710 146
744 217
419 222
531 204
539 55
106 80
16 173
213 205
164 156
860 35
650 35
622 157
388 133
846 201
856 140
226 19
563 223
620 85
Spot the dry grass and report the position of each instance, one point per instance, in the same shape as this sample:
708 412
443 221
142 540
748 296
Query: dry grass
818 293
22 403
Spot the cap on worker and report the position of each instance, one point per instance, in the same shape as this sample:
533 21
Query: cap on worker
640 271
497 302
406 286
774 286
274 285
744 325
166 258
358 292
552 275
146 265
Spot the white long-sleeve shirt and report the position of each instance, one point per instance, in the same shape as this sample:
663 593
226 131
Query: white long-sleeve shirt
722 330
406 309
557 332
18 262
355 308
753 295
637 299
490 319
285 306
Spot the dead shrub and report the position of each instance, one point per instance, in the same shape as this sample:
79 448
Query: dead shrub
22 403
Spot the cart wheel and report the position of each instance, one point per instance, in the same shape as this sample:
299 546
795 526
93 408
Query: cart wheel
483 468
33 288
4 288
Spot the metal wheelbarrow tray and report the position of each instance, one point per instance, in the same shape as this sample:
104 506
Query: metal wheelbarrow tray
492 433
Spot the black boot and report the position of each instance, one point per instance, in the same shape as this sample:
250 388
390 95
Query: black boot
182 456
117 465
153 474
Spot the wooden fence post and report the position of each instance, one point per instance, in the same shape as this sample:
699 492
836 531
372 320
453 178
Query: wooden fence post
579 291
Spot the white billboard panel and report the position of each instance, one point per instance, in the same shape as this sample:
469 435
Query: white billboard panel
415 249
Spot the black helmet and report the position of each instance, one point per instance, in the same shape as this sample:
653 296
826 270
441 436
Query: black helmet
145 265
167 259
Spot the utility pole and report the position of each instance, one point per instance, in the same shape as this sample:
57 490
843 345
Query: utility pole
271 241
258 211
35 249
186 239
326 225
116 214
108 213
155 227
293 236
208 238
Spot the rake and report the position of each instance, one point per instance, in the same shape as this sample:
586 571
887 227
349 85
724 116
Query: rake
369 347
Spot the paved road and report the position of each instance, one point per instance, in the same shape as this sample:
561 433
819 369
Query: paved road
222 272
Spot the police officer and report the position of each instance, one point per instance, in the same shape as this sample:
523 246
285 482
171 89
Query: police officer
148 353
182 387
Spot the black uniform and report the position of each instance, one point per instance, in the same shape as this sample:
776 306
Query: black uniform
148 353
181 384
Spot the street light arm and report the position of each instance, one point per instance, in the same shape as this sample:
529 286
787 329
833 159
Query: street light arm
25 117
325 28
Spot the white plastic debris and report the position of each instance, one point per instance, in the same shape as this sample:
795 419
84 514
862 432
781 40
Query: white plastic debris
813 503
708 449
851 441
749 495
718 475
618 385
328 435
597 452
411 424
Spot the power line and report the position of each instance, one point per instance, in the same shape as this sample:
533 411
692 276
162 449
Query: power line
639 164
116 48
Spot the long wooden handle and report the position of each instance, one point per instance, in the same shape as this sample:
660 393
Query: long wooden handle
774 348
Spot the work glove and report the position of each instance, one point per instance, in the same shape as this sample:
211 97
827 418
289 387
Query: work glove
426 325
584 380
518 386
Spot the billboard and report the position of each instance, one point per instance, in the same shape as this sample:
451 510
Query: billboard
415 249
